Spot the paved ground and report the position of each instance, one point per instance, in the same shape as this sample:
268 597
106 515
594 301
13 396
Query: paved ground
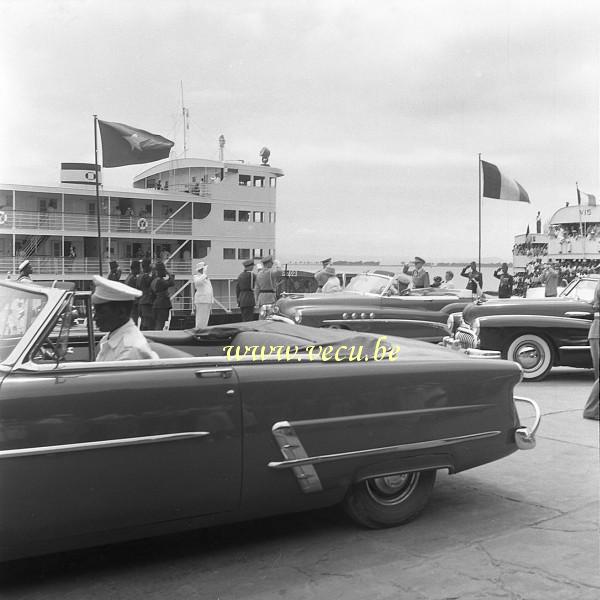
523 527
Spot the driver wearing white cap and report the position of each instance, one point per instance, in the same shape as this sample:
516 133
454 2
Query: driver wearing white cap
112 307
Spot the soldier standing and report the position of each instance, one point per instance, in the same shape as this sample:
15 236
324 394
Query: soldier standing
25 270
144 284
267 281
420 277
244 291
162 302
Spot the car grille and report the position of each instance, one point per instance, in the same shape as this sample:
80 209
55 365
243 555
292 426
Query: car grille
466 337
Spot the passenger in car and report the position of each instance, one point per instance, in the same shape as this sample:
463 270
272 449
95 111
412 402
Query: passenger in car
112 307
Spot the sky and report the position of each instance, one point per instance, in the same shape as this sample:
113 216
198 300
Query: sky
375 111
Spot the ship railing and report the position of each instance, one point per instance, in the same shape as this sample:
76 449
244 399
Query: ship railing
201 189
48 221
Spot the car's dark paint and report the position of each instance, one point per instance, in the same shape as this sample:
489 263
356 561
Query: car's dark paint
563 322
418 317
54 499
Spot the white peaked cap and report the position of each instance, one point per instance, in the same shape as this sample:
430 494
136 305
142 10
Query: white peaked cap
23 264
112 291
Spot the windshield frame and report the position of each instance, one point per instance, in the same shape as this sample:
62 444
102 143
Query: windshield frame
53 297
573 285
386 278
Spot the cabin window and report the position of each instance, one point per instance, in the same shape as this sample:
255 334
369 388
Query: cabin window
229 215
229 253
243 253
259 181
259 216
245 180
257 252
272 181
244 216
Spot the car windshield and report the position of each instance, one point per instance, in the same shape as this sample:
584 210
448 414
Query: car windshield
18 310
581 289
368 283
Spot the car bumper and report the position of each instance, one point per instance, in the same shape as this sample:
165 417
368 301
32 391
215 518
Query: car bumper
458 345
525 437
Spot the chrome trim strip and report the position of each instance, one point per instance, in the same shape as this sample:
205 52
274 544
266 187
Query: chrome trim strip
385 450
577 313
293 451
134 441
376 320
525 438
563 348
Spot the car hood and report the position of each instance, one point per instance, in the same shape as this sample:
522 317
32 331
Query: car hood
523 306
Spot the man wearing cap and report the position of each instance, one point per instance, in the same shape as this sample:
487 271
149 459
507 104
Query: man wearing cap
267 281
420 277
144 284
112 302
320 276
25 270
244 291
333 283
203 298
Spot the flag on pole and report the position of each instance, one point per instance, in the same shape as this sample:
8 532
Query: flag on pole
589 198
126 145
497 185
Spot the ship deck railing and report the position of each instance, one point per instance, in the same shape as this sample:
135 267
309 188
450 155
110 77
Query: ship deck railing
47 222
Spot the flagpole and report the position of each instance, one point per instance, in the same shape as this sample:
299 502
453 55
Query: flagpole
97 195
479 177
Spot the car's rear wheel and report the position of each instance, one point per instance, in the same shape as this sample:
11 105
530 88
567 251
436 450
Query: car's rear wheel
390 500
533 353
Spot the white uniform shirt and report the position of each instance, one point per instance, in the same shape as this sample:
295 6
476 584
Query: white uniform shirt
125 343
332 285
204 289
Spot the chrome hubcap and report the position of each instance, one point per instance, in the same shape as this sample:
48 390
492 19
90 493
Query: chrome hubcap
529 356
392 489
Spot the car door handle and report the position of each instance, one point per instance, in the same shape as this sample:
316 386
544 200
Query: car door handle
223 372
577 313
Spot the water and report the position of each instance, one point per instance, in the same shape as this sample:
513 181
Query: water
489 281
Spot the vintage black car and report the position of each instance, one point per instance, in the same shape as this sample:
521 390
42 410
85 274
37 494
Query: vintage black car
537 333
231 422
372 303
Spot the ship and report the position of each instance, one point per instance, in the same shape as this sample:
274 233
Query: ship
571 234
180 211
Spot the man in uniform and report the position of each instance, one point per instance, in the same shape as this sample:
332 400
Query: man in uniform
144 284
131 281
115 272
267 280
244 291
112 303
420 277
320 276
25 270
550 280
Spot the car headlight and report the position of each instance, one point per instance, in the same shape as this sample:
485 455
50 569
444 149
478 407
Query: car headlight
450 323
298 317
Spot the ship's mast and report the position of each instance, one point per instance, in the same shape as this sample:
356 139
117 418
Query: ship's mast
186 125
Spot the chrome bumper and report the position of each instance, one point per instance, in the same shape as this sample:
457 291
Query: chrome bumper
454 344
280 318
525 438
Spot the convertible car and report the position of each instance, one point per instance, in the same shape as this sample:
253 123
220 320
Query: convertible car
372 303
537 333
230 423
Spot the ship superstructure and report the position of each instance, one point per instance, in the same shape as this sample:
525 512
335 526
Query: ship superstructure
180 211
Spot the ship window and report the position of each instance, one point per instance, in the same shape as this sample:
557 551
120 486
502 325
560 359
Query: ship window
259 181
258 252
243 253
272 181
229 253
229 215
244 216
201 209
259 216
244 179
